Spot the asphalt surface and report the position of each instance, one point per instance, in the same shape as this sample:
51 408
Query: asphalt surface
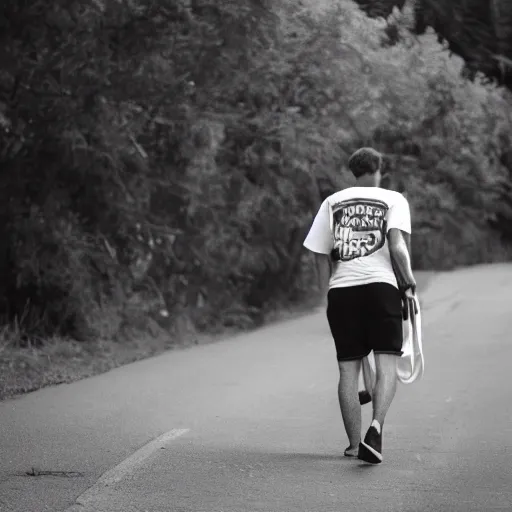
261 428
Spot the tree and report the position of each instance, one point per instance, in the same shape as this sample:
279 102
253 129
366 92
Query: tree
172 155
478 31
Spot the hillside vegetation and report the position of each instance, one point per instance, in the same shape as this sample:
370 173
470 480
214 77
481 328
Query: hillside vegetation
162 161
478 31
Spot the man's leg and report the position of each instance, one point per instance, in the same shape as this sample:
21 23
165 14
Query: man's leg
348 396
365 396
370 449
347 321
386 339
385 385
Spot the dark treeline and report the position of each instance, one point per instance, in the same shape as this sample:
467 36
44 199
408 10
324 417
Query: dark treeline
171 155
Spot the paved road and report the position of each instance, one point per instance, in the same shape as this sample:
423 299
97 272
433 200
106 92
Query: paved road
261 426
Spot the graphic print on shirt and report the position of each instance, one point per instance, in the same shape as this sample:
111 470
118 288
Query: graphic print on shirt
359 228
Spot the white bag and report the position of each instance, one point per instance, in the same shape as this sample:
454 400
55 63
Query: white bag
411 365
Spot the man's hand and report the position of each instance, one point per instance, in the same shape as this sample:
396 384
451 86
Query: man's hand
409 305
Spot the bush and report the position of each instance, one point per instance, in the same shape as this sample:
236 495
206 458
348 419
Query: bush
170 156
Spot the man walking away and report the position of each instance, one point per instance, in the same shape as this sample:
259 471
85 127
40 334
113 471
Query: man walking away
360 230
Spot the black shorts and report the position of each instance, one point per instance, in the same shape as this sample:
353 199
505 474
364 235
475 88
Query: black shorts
365 318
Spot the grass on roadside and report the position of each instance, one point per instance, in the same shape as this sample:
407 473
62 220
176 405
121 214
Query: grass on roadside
58 360
26 367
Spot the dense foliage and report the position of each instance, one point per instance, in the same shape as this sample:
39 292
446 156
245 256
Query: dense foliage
478 31
171 155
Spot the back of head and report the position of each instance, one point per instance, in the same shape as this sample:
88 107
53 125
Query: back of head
365 161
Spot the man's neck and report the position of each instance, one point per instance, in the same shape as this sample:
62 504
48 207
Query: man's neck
367 181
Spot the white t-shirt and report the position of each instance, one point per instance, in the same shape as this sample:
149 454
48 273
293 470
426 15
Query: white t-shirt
354 223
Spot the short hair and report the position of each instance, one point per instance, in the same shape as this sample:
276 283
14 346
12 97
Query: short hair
365 161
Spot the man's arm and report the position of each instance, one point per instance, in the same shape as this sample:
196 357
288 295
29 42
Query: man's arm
320 241
407 239
398 247
324 270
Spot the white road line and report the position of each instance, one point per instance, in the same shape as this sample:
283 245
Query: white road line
126 467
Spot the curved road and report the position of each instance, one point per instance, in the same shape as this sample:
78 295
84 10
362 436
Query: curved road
252 423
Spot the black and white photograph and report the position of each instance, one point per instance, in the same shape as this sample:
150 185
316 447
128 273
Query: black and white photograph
256 255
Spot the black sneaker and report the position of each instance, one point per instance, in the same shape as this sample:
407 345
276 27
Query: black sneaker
370 450
364 397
